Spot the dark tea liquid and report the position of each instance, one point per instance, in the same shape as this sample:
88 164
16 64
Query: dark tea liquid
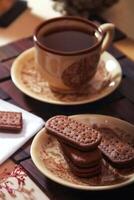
68 40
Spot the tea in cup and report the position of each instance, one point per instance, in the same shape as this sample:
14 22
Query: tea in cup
68 50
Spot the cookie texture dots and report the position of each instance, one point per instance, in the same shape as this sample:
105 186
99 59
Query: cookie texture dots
74 133
10 121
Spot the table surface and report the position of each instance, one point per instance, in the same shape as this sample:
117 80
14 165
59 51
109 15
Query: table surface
118 104
36 12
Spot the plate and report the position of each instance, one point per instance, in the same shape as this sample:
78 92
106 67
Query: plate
48 158
25 75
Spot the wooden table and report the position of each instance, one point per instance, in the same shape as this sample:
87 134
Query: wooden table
119 104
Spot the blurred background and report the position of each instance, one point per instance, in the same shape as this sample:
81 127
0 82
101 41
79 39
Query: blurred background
119 12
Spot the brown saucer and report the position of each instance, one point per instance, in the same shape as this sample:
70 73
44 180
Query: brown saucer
26 77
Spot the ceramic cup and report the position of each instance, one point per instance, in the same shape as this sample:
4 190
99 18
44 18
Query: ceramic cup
68 49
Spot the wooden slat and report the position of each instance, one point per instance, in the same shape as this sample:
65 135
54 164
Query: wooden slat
127 67
127 88
23 153
27 147
7 64
12 101
4 73
115 52
14 49
19 156
123 109
15 94
3 95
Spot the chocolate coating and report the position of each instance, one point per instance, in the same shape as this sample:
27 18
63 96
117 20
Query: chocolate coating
74 133
81 158
117 151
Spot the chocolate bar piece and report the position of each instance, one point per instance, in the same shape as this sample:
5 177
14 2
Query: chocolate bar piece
82 158
118 152
72 132
10 121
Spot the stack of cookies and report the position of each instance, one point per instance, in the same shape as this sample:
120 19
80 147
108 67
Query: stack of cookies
79 144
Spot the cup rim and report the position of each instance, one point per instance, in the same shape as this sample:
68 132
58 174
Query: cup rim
71 53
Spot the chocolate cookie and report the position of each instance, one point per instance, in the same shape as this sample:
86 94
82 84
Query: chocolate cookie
81 158
118 152
10 121
74 133
84 172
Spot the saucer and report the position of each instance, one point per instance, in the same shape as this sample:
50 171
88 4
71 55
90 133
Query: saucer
26 77
48 158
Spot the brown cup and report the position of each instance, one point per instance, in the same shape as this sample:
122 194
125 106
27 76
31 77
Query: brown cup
69 71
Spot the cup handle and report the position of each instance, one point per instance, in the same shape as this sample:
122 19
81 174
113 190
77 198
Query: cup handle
108 30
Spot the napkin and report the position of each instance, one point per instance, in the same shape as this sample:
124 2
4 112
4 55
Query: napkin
10 142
